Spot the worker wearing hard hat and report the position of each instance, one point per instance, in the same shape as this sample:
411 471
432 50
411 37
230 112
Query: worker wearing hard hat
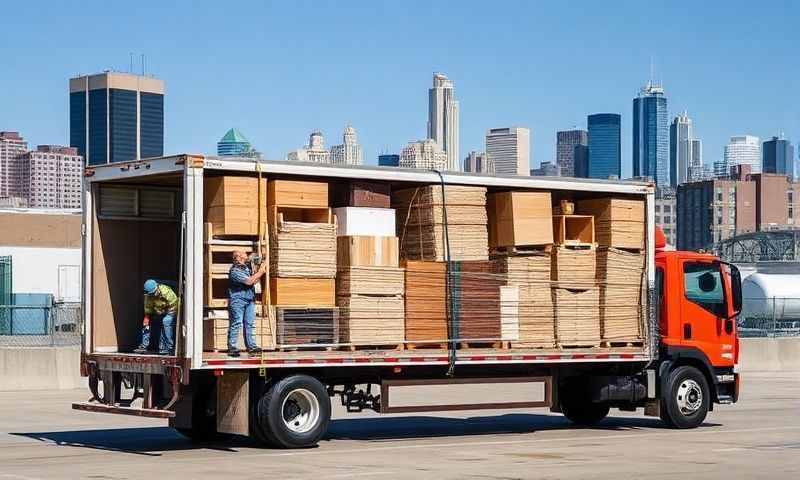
241 306
160 308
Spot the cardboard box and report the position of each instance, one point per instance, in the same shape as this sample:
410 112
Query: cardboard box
295 193
573 230
361 251
372 222
425 302
619 222
520 219
232 205
302 292
361 194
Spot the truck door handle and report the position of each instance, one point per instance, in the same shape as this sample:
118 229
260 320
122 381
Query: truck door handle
687 331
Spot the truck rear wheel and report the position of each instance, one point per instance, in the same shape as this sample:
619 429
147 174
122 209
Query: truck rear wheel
294 412
686 399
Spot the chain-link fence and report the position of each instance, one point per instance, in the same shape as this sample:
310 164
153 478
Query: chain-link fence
770 317
57 324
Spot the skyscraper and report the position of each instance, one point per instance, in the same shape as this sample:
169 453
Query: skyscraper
233 143
510 149
650 135
680 149
582 161
424 154
696 168
12 145
479 162
443 119
116 117
778 156
743 150
349 152
313 152
566 143
604 146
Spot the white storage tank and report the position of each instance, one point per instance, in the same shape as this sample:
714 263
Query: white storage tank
768 294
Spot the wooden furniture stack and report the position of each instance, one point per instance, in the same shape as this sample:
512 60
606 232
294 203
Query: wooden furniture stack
232 216
369 282
620 266
530 274
302 262
420 222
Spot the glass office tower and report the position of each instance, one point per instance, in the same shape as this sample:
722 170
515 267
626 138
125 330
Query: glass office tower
604 146
651 135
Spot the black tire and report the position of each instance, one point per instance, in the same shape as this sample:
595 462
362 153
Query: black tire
293 413
686 399
577 406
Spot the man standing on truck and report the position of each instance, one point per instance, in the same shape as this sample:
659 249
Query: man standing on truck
241 302
160 307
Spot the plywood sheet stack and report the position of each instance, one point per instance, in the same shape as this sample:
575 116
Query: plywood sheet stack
531 275
304 327
619 222
621 277
577 313
420 222
425 302
573 265
475 287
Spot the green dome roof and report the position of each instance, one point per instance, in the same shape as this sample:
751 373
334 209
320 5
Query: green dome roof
233 135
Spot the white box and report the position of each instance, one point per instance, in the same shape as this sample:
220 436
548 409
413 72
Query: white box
371 222
509 313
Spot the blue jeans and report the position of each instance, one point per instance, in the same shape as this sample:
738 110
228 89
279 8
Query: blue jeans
240 310
164 325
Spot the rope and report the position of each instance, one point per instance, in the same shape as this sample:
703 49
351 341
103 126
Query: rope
450 304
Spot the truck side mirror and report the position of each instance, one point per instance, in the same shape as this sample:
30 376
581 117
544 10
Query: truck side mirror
736 289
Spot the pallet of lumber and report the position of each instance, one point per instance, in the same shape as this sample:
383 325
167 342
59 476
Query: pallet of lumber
215 334
425 302
530 273
420 222
577 316
297 193
621 313
509 313
358 193
301 250
371 319
519 219
306 326
475 287
231 205
573 265
361 251
302 292
620 267
370 281
619 222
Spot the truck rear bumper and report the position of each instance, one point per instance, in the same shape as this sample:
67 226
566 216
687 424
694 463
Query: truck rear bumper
137 412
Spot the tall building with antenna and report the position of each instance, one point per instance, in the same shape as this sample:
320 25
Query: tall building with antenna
116 117
651 134
443 119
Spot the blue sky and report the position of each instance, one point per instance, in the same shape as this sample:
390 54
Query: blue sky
277 70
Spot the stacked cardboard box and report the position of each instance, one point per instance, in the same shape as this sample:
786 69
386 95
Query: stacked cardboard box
425 302
231 205
531 275
573 265
520 219
577 316
618 222
420 222
621 275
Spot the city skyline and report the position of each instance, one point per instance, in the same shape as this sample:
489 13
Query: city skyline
508 93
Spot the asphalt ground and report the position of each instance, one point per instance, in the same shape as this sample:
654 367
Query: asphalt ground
41 437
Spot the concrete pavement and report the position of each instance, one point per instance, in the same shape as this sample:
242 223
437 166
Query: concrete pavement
40 437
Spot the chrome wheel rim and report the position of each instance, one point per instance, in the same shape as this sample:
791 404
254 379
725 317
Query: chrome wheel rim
689 397
300 410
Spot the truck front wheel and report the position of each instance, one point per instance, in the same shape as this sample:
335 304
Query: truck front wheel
294 412
686 399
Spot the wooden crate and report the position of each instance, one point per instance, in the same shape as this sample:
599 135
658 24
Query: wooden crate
370 281
361 251
215 334
306 326
361 194
574 265
302 292
619 221
577 316
425 301
476 298
296 193
573 230
371 319
231 204
519 219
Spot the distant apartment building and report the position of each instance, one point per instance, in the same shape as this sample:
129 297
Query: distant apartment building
349 152
742 150
479 162
443 113
12 145
510 149
234 144
116 117
389 160
547 169
313 152
50 177
568 144
604 155
778 157
424 154
666 215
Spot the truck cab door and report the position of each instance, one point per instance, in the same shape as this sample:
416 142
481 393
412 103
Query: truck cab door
705 314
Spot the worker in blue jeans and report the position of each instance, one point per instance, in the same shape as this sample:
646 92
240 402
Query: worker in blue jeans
241 303
160 307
